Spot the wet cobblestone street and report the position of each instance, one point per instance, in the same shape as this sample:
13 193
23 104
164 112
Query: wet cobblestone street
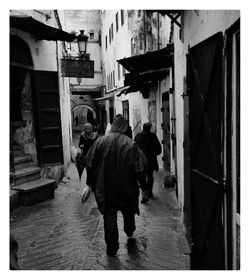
63 234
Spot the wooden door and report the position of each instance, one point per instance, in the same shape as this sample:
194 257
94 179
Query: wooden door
166 142
206 190
48 118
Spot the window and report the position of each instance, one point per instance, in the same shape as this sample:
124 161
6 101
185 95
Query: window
117 22
109 35
111 80
122 17
100 37
125 109
106 42
107 82
112 31
111 114
118 71
91 34
114 77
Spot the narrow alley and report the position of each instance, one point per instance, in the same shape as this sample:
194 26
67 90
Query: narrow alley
63 234
168 79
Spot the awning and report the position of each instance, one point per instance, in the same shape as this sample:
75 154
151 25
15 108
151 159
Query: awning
122 90
116 92
143 88
104 98
40 30
144 77
163 58
101 100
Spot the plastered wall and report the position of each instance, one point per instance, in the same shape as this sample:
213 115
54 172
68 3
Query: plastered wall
197 26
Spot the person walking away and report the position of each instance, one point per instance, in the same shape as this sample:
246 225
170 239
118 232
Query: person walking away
151 147
87 138
115 171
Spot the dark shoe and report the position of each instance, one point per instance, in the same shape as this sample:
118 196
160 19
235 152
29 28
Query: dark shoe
111 253
150 195
145 197
112 250
129 235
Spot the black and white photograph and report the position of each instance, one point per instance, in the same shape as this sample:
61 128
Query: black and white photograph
124 139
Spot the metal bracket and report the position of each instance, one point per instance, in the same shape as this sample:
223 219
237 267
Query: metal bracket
183 95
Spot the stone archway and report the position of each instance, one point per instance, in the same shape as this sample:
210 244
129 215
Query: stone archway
83 113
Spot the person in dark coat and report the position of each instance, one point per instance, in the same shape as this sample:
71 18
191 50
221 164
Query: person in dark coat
151 147
87 138
115 171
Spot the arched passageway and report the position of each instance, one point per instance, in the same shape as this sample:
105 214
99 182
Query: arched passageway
82 114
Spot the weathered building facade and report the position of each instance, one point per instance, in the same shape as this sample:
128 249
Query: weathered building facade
127 37
207 94
194 103
40 120
179 70
85 90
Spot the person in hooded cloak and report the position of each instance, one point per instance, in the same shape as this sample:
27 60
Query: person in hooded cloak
87 138
115 171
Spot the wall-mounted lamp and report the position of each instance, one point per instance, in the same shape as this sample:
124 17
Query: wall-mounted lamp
82 40
78 66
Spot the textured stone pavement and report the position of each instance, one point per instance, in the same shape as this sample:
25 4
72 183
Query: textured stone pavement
63 234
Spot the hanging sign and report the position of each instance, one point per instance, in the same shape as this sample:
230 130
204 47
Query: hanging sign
77 68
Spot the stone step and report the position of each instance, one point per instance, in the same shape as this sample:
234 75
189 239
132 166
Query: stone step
35 191
26 174
23 161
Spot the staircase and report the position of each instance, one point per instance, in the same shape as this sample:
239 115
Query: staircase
27 186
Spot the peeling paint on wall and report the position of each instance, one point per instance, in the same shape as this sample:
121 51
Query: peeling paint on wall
25 136
148 32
